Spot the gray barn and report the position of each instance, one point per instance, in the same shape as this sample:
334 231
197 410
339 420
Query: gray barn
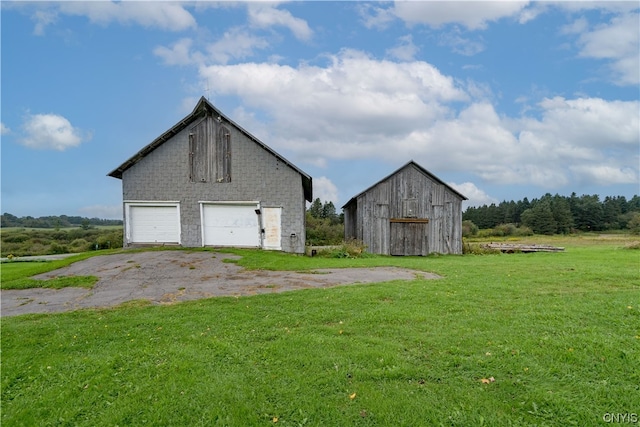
410 212
208 182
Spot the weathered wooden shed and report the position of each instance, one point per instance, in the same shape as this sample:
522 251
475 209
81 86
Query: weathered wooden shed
410 212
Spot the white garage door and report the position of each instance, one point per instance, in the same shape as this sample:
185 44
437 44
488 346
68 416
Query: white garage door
153 224
229 224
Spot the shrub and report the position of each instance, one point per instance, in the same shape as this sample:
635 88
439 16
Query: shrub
350 249
469 228
485 233
80 245
505 230
634 223
15 238
523 231
56 248
109 241
477 249
60 236
43 242
321 231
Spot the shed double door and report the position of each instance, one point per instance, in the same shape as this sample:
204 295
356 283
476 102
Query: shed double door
409 238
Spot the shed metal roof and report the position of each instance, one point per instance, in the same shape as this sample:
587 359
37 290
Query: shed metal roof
200 109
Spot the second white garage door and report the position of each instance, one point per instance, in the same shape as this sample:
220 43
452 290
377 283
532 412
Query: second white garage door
230 224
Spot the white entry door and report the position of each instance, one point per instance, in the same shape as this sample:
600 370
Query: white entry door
148 223
271 219
231 224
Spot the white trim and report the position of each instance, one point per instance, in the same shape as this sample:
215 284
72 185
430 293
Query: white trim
230 202
128 204
153 202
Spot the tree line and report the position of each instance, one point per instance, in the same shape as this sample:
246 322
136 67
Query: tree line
560 214
55 222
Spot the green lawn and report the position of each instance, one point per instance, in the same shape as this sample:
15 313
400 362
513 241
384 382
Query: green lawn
522 339
16 274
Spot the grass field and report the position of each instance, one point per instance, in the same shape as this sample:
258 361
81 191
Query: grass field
17 274
522 339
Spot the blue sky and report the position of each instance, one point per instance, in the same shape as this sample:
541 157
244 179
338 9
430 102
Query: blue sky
502 100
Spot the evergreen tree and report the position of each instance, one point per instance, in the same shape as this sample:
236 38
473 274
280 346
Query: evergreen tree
562 214
587 212
612 209
329 212
633 204
316 208
540 218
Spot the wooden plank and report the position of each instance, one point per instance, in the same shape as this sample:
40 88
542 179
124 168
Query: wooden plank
381 235
410 220
223 155
514 247
199 153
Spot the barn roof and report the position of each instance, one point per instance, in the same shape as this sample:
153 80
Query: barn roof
202 107
410 163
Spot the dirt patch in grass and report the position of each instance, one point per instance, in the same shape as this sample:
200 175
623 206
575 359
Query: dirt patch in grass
167 277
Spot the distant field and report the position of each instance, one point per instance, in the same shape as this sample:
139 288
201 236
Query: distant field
547 339
18 241
99 227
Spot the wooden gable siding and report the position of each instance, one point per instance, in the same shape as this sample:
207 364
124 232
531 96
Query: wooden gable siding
199 163
223 154
209 151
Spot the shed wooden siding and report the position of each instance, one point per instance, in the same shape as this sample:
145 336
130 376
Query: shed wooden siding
407 213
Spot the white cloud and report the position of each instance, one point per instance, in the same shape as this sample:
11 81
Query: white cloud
619 42
169 16
604 5
266 15
476 196
357 107
405 50
236 43
325 190
351 100
578 26
51 132
375 17
4 130
473 15
606 174
590 122
178 54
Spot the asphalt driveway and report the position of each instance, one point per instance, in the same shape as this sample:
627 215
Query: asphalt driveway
166 277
